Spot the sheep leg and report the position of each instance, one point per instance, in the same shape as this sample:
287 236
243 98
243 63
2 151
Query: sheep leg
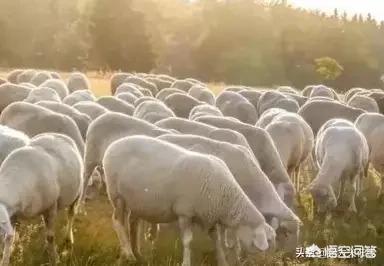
49 220
186 236
134 237
352 206
8 243
70 219
153 232
119 221
215 235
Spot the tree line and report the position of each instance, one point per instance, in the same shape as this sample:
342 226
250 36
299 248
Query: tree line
232 41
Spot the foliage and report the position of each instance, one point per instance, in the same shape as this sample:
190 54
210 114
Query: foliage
328 68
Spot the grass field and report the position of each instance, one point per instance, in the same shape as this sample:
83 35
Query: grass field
96 243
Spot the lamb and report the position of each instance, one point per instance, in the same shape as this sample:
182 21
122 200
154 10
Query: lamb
10 93
146 99
143 84
42 94
152 111
129 87
82 120
79 96
26 76
316 113
116 105
202 94
40 77
372 126
186 126
57 85
264 150
92 109
108 128
249 176
33 120
77 81
127 97
222 202
252 96
294 141
38 188
183 85
342 153
181 104
12 76
364 102
161 95
10 140
234 105
204 110
116 80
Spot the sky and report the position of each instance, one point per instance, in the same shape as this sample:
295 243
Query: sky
375 7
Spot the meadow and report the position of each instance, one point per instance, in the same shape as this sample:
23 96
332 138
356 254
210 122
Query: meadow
96 242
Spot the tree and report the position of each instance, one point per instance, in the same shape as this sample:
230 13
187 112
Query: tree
328 68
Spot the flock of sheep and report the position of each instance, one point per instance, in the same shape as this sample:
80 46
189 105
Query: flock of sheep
169 151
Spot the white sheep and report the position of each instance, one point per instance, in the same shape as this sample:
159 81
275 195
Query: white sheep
37 188
78 81
42 94
79 96
159 82
202 94
40 77
161 95
57 85
252 96
342 155
145 99
82 120
129 87
33 120
234 105
183 85
116 105
92 109
140 82
116 80
181 104
26 76
364 102
276 99
10 140
353 91
127 97
203 191
204 110
10 93
152 111
264 150
12 75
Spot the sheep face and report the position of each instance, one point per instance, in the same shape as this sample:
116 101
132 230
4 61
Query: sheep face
324 198
253 239
5 222
287 235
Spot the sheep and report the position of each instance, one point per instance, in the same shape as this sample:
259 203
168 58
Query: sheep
372 126
57 85
37 188
82 120
294 141
247 172
234 88
108 128
364 102
28 85
116 80
203 110
287 89
33 120
160 83
264 150
202 94
276 99
181 104
379 98
152 111
42 94
3 81
323 91
252 96
234 105
10 140
40 77
55 75
301 100
183 85
145 99
342 154
77 81
79 96
267 117
142 83
195 81
161 95
221 204
353 91
116 105
316 113
10 93
166 78
127 97
186 126
26 75
92 109
12 76
131 88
